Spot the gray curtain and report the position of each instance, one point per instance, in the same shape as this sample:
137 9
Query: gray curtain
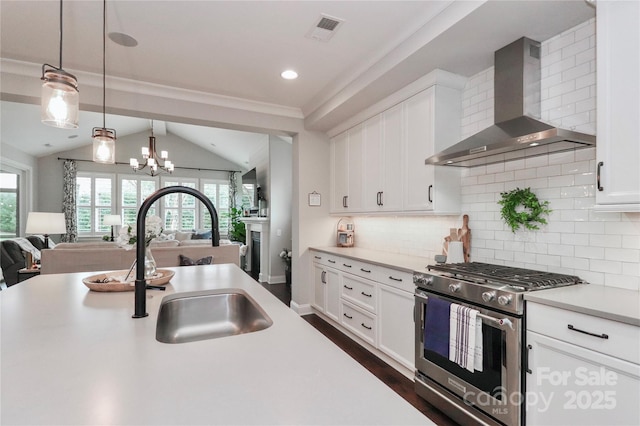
69 201
233 190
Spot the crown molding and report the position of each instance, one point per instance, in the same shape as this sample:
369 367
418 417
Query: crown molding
86 79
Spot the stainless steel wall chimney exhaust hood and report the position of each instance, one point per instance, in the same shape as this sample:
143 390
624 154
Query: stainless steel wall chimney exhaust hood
517 132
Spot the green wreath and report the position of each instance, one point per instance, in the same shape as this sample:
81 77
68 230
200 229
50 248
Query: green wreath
530 216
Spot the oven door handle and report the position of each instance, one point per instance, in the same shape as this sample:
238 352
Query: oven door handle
498 321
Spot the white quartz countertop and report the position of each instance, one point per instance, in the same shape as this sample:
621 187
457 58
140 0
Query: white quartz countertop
397 261
612 303
73 356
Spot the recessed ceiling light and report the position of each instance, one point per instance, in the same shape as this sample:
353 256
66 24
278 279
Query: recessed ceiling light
123 39
289 75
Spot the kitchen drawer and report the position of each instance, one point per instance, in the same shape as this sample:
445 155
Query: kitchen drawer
394 278
356 267
621 342
359 322
326 259
359 291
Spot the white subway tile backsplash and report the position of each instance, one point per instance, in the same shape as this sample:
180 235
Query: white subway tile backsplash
606 266
589 252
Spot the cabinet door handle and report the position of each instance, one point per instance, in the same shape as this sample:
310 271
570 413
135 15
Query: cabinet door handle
367 327
345 201
380 202
365 270
601 336
323 277
332 261
430 197
378 198
365 294
347 316
600 164
345 265
347 287
395 279
526 360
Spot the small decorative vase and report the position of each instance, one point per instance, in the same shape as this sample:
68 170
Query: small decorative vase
149 264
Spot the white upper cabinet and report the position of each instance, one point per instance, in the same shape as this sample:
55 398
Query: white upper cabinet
618 82
346 171
382 180
378 164
431 123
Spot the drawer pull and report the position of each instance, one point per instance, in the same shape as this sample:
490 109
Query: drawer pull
601 336
348 266
347 316
365 294
332 261
395 279
317 257
365 270
347 287
362 324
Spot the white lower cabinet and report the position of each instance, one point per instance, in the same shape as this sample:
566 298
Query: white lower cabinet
585 374
368 301
395 312
327 291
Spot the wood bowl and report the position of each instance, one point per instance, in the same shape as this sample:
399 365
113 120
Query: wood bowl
112 281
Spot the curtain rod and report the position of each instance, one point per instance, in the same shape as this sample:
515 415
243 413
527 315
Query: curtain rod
184 168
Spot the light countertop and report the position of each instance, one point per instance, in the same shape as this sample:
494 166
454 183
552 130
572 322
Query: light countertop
612 303
401 262
607 302
73 356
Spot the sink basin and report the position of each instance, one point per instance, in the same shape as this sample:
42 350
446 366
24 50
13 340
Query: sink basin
202 315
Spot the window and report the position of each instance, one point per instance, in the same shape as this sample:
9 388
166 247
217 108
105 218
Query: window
180 210
133 191
218 192
9 206
94 198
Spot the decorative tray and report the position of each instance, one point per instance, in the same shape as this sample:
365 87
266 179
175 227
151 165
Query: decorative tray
113 281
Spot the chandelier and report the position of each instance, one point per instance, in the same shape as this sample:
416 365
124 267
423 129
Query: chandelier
151 158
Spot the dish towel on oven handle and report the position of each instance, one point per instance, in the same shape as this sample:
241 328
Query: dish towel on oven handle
465 337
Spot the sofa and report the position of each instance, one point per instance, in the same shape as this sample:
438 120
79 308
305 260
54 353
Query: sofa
106 256
13 258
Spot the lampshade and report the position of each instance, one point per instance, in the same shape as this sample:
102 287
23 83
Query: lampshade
112 219
46 223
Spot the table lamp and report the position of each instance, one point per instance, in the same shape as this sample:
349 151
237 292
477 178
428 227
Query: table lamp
113 220
46 223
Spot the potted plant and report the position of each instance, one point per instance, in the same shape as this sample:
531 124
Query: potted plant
285 255
237 229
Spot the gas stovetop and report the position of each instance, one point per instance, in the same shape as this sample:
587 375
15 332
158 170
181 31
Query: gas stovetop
518 278
490 286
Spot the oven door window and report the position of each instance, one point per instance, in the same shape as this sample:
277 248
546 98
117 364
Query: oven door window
490 379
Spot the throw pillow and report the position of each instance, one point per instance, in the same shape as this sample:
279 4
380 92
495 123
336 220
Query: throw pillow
187 261
201 236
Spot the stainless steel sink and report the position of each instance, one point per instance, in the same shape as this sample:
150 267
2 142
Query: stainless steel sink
201 315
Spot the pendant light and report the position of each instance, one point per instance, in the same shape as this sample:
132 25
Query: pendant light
60 99
104 140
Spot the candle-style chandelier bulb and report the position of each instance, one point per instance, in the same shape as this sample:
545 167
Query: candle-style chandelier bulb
156 163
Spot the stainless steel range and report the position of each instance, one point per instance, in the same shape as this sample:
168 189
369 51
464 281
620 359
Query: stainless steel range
493 393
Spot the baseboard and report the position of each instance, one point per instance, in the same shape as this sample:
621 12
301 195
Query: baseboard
277 279
301 309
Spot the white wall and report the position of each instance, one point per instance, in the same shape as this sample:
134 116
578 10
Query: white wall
602 248
280 187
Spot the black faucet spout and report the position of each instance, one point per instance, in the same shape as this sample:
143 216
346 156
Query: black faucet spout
141 283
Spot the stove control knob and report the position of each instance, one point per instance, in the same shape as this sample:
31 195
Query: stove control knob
454 288
504 300
488 296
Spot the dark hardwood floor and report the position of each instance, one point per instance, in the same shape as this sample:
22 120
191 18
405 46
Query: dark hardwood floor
387 374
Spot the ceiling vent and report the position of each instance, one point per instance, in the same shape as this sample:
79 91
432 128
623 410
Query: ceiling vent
324 28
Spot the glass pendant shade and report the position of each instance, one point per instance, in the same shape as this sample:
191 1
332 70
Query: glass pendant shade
104 145
60 99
